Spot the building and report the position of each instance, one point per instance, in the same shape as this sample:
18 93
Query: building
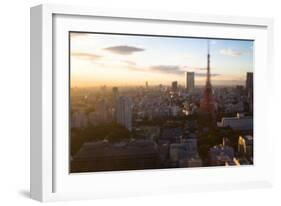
249 81
124 112
250 89
189 81
184 154
191 147
104 156
221 155
160 86
101 110
174 85
103 89
185 151
173 135
191 162
240 122
245 145
79 120
178 151
175 110
147 132
115 92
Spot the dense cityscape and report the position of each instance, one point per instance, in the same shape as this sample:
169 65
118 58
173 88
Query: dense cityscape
153 126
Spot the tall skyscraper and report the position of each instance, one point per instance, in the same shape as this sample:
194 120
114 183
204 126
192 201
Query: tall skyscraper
208 103
249 81
124 112
174 85
189 81
250 89
115 95
115 92
102 110
146 84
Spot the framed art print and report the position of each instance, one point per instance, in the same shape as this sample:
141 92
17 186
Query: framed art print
132 103
141 102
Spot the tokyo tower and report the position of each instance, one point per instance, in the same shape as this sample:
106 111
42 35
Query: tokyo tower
207 103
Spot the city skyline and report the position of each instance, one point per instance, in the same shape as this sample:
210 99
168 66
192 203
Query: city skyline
132 60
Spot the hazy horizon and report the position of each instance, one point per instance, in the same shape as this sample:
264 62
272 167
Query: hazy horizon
153 86
123 60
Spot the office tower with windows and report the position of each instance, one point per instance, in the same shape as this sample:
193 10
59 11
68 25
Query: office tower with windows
189 81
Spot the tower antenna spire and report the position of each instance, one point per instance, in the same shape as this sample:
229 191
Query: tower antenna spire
207 103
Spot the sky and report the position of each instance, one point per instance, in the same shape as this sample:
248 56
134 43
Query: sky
131 60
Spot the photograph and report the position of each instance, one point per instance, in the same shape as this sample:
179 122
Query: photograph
141 101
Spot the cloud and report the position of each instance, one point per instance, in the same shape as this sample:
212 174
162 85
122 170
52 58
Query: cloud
177 70
137 69
204 74
166 69
124 50
188 68
86 56
201 69
169 69
129 63
230 52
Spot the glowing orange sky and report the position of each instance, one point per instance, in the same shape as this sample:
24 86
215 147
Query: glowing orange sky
123 60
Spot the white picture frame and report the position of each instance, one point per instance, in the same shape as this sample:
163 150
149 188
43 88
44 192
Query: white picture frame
49 179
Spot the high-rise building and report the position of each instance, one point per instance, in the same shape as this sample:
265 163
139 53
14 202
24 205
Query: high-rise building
124 112
174 85
160 87
250 89
189 81
101 110
115 92
146 84
79 120
249 81
115 95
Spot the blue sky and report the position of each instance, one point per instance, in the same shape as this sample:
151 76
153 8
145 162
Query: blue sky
98 59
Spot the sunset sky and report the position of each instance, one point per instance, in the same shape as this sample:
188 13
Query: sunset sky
124 60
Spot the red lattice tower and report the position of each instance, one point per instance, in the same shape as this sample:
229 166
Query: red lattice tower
208 103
